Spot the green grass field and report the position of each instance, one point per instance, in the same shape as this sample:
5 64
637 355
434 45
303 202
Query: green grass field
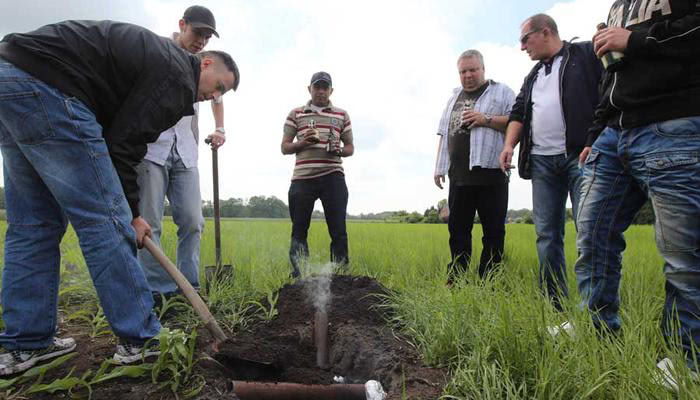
492 336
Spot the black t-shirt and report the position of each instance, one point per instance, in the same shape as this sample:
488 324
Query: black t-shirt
458 147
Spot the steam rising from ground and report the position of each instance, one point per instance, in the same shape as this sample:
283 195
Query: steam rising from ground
318 285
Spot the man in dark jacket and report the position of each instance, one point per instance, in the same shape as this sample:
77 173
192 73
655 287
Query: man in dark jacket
649 148
550 118
79 100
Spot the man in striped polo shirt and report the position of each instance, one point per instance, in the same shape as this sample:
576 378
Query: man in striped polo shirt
319 129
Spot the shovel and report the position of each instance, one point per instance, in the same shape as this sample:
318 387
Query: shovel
218 271
188 291
234 363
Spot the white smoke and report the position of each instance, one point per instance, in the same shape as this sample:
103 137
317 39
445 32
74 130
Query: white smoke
318 285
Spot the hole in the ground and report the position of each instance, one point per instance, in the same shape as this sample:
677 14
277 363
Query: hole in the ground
360 345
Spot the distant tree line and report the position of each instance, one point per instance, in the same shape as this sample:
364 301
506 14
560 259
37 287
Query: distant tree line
255 207
272 207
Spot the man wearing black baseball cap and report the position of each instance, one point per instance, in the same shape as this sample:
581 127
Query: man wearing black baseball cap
200 17
319 128
170 169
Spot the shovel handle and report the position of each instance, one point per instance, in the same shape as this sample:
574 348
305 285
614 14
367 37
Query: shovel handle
199 307
217 211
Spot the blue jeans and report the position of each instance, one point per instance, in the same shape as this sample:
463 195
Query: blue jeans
661 161
554 178
303 193
57 170
181 185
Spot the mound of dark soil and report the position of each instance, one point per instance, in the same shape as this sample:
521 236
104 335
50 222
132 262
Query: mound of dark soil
361 346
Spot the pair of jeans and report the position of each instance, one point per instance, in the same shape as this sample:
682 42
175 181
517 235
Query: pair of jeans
491 202
303 193
57 170
661 162
181 186
554 178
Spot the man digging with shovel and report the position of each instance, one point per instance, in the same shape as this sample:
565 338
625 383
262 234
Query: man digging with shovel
170 169
79 100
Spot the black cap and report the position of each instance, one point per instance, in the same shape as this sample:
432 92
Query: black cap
200 17
321 76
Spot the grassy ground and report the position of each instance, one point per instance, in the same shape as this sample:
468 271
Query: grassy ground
492 336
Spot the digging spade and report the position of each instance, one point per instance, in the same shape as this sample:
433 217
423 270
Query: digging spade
188 291
218 271
233 361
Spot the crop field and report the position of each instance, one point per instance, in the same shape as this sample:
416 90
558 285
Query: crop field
490 336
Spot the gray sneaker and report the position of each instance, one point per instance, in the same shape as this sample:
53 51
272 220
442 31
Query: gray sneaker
667 375
566 328
12 362
130 353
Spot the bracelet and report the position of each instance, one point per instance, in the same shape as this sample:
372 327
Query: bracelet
221 130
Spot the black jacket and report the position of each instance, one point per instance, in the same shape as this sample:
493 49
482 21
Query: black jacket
660 75
579 82
137 83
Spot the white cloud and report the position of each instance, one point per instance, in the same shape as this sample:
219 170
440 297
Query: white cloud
393 67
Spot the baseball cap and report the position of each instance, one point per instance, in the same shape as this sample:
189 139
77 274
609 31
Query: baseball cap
321 76
200 17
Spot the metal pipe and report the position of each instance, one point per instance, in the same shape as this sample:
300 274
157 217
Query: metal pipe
295 391
321 338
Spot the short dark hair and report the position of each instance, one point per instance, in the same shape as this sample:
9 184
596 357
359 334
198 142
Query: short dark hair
541 21
228 62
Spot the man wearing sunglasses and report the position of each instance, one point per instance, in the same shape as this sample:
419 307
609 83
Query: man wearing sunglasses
170 169
550 119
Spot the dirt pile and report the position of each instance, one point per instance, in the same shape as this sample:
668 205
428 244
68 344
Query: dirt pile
361 346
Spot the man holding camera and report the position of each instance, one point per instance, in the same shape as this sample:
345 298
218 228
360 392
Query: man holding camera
314 133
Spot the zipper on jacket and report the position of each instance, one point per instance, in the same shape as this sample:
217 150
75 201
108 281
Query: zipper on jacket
561 103
612 103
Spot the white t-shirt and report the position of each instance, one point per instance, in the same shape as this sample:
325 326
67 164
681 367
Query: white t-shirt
548 126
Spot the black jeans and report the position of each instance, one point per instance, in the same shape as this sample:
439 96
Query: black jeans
491 202
333 192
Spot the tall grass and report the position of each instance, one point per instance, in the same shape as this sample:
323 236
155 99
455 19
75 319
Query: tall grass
491 335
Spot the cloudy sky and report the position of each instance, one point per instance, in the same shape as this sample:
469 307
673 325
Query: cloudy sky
393 64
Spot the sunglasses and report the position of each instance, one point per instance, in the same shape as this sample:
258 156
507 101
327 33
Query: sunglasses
526 36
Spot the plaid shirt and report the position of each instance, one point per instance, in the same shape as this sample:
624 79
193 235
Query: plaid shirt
485 143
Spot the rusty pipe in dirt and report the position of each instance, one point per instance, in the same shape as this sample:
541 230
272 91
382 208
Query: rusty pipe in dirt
321 338
295 391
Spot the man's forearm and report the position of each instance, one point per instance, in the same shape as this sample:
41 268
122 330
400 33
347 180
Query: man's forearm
499 123
218 110
513 132
347 150
291 147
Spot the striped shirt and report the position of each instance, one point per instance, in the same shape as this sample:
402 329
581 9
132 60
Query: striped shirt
315 161
486 144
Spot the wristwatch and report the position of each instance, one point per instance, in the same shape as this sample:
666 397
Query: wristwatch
221 130
489 118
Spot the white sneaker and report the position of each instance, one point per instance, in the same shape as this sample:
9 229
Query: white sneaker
130 353
666 377
15 361
566 327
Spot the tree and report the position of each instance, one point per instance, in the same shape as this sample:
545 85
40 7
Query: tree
430 216
2 198
267 207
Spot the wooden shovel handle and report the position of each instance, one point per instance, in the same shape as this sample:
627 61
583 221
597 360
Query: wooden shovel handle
199 307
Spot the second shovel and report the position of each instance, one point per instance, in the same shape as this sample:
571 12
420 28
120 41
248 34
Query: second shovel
218 272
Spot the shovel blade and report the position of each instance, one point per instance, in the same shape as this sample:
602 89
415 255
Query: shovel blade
214 273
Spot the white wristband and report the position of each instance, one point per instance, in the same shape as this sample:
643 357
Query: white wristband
221 130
